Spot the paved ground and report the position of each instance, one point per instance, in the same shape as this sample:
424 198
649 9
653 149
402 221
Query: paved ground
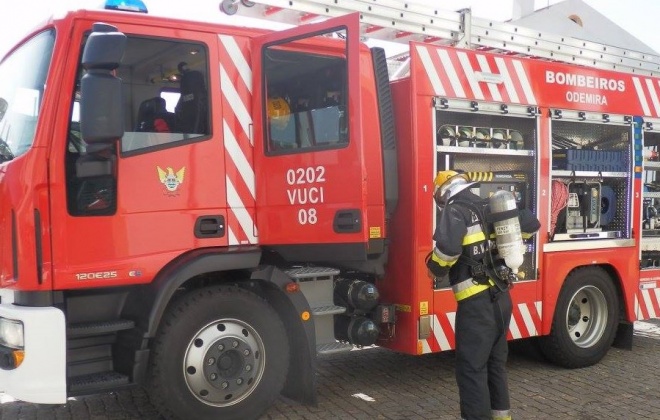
379 384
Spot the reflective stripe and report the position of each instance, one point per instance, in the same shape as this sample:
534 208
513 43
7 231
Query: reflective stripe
467 288
443 260
501 414
473 234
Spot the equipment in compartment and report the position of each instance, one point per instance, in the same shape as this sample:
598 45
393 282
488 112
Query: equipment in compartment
651 219
583 209
474 136
607 205
559 201
589 160
491 182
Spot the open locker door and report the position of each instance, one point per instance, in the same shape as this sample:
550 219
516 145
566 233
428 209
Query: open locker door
308 154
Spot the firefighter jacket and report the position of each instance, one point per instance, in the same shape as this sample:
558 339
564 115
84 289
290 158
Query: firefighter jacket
459 232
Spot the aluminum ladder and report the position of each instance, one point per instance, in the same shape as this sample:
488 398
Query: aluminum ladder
400 22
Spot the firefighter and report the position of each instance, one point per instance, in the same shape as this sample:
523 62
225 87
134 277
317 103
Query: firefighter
461 254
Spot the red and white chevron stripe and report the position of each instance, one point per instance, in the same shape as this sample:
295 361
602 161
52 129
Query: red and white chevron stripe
525 322
647 301
455 73
647 92
236 86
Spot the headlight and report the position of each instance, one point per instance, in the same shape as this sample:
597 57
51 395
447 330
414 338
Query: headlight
11 333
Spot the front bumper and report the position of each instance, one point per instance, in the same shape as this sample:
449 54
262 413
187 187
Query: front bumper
41 377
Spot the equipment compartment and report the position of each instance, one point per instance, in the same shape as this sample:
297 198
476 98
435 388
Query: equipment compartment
650 243
591 176
496 150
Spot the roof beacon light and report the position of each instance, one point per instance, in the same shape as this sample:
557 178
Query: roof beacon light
126 5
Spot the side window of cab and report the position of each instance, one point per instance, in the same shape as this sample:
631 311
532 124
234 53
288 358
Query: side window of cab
306 105
166 86
166 104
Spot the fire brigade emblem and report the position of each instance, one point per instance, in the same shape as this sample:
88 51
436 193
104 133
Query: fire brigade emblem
170 179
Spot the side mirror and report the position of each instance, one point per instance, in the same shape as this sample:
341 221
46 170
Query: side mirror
101 113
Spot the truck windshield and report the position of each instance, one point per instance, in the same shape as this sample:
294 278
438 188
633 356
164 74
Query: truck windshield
22 83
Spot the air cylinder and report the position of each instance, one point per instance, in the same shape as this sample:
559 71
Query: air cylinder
504 213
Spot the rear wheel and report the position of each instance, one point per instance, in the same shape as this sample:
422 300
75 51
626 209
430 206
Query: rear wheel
585 320
221 352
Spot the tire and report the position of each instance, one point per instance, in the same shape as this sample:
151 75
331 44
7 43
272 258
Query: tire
220 353
585 320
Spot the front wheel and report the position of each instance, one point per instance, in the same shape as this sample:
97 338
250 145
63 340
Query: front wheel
221 352
585 320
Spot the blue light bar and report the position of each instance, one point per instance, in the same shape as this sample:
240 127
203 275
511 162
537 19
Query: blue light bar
126 5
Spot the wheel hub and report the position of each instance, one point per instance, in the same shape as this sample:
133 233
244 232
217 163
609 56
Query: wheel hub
229 363
586 317
224 362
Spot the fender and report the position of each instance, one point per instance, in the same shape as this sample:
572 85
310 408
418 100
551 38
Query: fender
148 302
187 266
301 380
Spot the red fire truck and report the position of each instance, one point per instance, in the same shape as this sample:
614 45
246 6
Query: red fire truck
202 209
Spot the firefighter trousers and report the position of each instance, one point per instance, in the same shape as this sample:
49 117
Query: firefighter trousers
482 323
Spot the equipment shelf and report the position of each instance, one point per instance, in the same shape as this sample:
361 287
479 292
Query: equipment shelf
651 166
588 174
484 151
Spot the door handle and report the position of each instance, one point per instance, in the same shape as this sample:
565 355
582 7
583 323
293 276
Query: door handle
347 221
210 227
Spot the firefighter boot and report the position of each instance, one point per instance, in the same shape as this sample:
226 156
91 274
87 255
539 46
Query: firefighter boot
501 414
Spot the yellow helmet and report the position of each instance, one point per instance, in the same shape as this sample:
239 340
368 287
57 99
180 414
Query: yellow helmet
278 112
447 184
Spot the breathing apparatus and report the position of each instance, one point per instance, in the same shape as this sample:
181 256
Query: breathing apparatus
502 212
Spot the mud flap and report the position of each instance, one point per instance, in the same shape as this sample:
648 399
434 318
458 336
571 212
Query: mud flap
624 336
301 380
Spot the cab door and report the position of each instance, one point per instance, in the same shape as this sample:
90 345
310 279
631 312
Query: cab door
309 160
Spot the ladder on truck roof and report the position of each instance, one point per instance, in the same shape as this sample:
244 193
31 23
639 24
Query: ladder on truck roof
401 21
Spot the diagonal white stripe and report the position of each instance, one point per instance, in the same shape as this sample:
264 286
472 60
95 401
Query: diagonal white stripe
241 214
431 71
657 295
426 348
513 327
524 82
641 96
649 303
508 84
484 67
239 60
527 318
451 316
539 309
238 157
469 74
638 310
451 73
232 240
654 96
439 333
236 103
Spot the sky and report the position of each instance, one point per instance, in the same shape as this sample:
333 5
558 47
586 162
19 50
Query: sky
638 17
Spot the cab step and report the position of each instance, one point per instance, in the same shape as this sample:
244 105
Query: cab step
88 329
97 382
317 284
312 273
328 310
332 348
90 356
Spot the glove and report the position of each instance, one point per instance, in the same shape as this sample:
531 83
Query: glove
440 282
